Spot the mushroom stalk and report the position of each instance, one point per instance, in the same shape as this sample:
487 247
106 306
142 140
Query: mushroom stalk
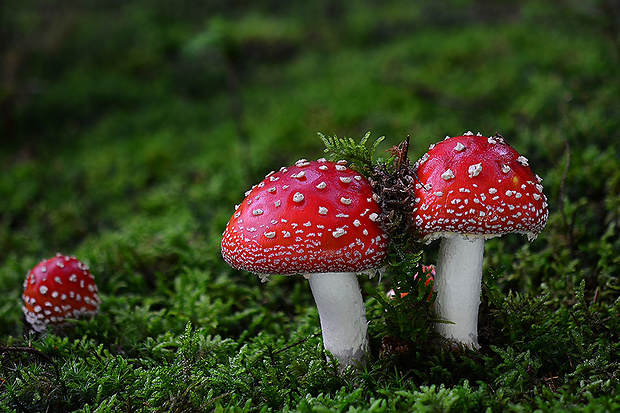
457 282
342 315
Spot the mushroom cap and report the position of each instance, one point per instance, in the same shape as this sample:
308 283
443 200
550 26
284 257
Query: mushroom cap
58 289
479 187
312 217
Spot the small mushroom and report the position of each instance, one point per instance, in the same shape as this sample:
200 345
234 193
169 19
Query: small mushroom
318 219
58 289
427 275
489 191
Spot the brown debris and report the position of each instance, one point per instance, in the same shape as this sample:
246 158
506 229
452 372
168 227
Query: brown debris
394 186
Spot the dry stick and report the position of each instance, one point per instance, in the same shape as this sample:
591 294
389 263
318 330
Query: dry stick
290 346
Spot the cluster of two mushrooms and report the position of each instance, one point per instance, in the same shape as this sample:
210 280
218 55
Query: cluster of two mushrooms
320 219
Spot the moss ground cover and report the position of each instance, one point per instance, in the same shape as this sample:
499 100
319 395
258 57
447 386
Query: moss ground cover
128 131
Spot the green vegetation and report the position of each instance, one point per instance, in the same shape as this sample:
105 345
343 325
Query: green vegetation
129 130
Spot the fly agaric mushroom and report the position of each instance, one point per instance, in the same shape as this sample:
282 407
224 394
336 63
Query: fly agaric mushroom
472 188
58 289
319 219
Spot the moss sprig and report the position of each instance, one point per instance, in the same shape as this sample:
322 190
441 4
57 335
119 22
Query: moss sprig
358 155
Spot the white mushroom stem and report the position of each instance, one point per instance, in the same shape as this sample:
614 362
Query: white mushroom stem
457 282
342 314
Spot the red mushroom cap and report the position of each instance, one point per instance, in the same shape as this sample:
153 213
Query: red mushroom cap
477 186
313 217
57 289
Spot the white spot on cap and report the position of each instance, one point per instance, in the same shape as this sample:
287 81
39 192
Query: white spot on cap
270 234
323 168
341 167
322 210
58 280
523 160
491 141
373 217
492 191
474 170
505 168
357 223
339 233
345 179
298 197
459 147
447 175
257 212
346 201
299 175
321 185
278 203
43 289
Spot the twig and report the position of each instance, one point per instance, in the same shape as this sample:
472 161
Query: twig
290 346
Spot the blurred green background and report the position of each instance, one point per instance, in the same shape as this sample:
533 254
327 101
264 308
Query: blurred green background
130 129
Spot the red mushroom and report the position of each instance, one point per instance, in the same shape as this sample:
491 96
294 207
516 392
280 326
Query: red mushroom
58 289
319 219
472 188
